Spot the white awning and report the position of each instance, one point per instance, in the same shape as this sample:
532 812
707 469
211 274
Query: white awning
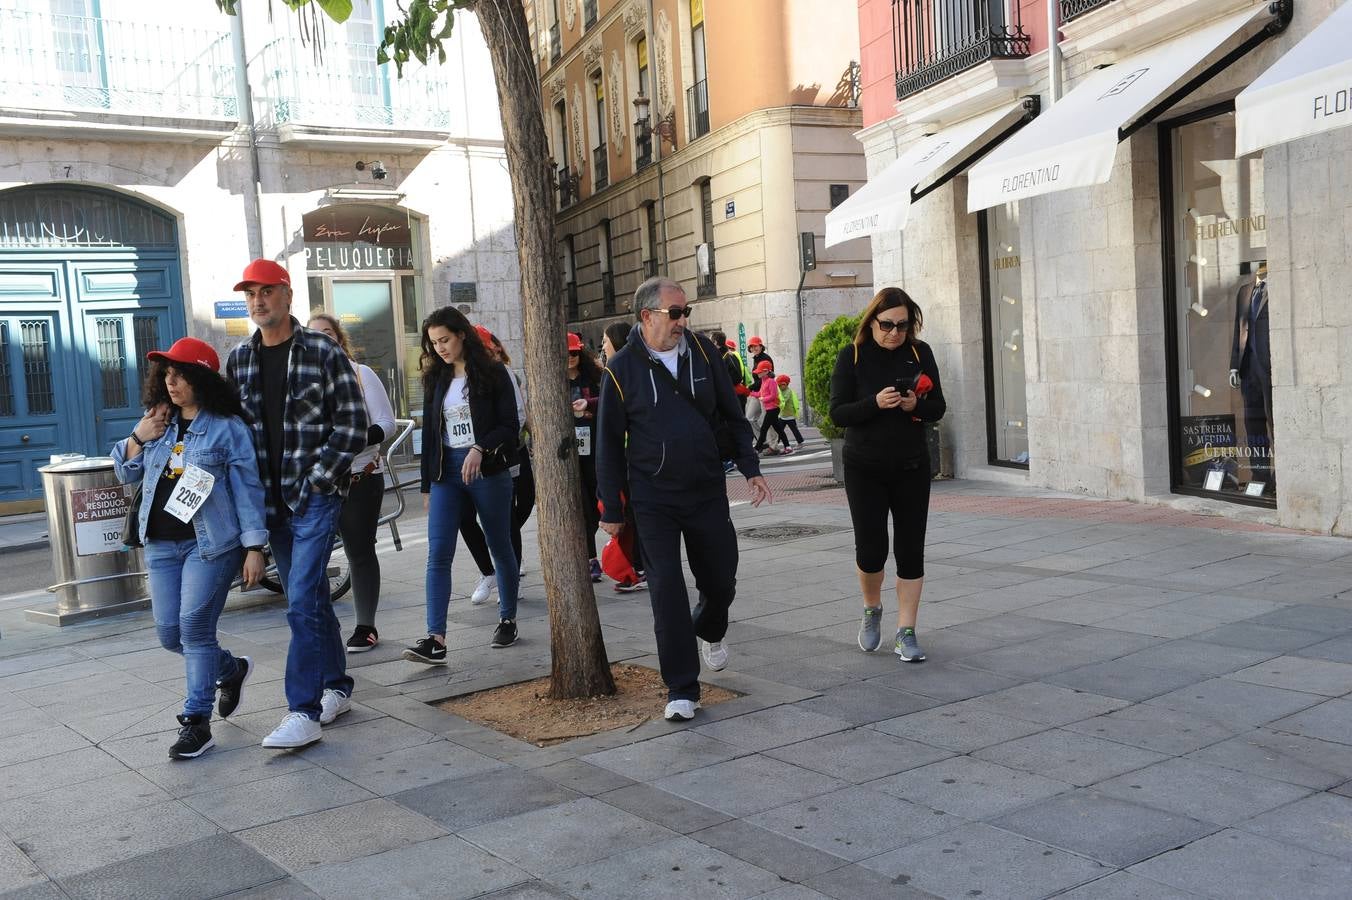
884 203
1308 91
1073 144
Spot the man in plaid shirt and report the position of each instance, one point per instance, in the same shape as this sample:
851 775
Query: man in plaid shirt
304 407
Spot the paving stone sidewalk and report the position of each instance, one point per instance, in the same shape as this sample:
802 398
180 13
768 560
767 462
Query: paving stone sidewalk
1115 706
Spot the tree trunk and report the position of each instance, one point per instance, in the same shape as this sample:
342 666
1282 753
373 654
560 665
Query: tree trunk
578 653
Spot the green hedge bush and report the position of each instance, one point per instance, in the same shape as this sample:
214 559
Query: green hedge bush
821 361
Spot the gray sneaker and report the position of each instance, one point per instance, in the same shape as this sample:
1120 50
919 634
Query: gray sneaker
907 647
870 630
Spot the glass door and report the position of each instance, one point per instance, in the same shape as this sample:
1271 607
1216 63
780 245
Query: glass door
366 309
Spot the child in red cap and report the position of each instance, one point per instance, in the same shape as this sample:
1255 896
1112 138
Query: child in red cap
788 408
769 400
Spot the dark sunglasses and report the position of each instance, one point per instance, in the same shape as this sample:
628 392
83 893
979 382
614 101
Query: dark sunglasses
903 325
674 313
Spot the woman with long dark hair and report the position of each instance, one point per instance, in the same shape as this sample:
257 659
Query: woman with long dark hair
584 388
470 432
201 521
884 390
361 508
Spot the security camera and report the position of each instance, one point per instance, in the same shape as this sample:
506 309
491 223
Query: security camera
378 170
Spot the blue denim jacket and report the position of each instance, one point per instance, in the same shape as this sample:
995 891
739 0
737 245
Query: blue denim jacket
233 514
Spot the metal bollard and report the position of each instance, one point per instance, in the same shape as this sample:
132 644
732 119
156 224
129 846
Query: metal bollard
96 575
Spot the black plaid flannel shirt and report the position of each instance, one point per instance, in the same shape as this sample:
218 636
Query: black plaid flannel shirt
324 417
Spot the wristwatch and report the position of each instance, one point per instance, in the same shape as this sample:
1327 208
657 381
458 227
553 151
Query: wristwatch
255 549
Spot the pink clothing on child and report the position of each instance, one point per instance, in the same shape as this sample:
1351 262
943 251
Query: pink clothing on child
769 393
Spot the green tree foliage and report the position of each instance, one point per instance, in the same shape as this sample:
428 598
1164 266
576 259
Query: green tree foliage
821 361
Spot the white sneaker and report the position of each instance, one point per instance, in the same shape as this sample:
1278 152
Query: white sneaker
486 585
681 710
296 730
332 705
715 655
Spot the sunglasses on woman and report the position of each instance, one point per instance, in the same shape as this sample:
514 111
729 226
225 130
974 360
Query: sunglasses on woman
674 313
902 325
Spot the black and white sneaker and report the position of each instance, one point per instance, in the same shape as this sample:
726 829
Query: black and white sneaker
194 738
363 638
505 634
230 691
427 651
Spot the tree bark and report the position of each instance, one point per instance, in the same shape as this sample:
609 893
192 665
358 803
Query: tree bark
578 654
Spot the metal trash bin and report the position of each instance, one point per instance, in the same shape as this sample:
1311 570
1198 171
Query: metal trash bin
96 575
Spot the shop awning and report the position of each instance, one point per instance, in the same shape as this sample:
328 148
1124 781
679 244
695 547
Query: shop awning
1073 144
884 203
1308 91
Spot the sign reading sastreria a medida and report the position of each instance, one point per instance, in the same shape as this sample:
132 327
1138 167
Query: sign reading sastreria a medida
357 236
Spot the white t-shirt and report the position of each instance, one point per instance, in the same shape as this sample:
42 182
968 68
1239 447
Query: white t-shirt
669 358
378 412
459 433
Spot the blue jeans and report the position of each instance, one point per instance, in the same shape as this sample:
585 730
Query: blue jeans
301 543
492 497
187 594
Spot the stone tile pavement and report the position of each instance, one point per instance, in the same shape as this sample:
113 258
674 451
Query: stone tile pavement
1120 702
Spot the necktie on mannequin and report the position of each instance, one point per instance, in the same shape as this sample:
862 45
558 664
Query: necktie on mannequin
1256 300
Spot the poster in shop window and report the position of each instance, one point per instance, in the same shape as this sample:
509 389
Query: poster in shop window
1209 444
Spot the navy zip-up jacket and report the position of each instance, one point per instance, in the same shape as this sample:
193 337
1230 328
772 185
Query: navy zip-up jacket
671 455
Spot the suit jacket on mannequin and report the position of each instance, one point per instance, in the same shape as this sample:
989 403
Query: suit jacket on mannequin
1251 331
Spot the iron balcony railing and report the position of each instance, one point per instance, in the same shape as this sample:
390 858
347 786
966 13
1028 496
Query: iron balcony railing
697 109
570 305
643 142
350 90
61 62
933 40
707 283
608 293
555 43
600 168
567 182
1072 8
588 13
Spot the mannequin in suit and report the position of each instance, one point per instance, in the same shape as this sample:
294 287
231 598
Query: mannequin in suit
1251 370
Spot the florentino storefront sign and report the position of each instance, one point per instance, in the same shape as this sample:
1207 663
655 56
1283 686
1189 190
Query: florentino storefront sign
357 236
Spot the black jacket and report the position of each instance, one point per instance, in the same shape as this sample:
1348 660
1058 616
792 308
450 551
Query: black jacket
493 415
671 455
874 435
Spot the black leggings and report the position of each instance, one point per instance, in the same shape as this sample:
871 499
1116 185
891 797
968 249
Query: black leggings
771 420
357 525
591 513
873 492
523 501
792 425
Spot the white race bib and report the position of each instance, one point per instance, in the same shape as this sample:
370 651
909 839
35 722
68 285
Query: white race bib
583 440
459 427
190 493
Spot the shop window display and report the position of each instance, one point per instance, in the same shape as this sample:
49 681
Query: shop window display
1006 384
1221 306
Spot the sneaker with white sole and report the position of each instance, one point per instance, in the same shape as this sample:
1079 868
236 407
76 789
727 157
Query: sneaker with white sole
484 590
681 710
296 730
332 705
427 651
230 691
628 587
194 737
871 630
714 654
907 647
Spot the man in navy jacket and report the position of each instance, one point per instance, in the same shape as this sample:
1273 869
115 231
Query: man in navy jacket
665 398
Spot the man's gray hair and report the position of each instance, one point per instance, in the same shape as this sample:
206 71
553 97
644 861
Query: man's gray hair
648 295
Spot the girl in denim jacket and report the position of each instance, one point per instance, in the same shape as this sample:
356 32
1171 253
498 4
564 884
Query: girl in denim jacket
201 519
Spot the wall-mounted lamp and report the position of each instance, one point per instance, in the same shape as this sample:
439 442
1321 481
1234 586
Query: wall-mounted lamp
1011 346
664 128
1200 260
1201 390
378 170
1198 308
1010 300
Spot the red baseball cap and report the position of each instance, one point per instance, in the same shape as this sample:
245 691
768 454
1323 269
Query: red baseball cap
730 344
484 335
189 350
782 380
574 343
763 367
264 272
753 340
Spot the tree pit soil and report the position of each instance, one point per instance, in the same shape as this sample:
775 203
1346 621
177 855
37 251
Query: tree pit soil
525 711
